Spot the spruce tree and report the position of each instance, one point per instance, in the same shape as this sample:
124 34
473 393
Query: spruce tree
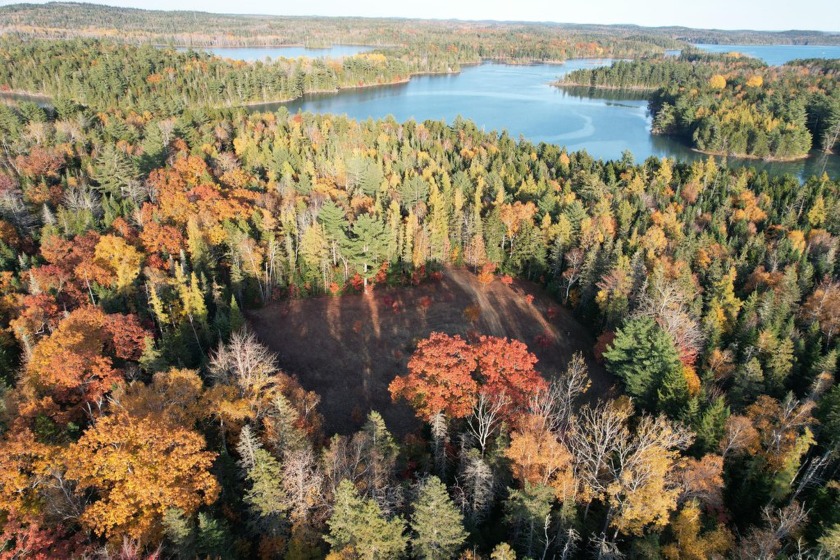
673 395
358 524
437 524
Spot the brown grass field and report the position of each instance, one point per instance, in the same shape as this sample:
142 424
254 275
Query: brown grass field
349 348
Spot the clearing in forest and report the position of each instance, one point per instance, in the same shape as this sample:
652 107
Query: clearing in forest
349 348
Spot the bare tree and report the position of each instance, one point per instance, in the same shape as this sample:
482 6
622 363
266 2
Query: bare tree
245 363
766 543
486 417
440 437
302 481
604 549
739 435
475 488
574 268
668 305
598 434
555 404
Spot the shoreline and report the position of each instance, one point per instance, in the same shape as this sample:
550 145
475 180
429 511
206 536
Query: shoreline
752 157
22 93
339 89
603 87
14 95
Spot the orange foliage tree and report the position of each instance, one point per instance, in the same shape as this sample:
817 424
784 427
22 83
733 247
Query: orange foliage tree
75 365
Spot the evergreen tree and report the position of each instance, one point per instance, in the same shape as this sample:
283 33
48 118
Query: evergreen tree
643 356
367 245
437 524
358 524
710 428
113 170
673 395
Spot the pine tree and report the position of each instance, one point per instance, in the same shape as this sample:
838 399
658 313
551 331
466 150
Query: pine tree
236 320
367 247
437 524
643 356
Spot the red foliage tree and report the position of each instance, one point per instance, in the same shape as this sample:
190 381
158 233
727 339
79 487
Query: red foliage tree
439 377
29 538
506 366
446 373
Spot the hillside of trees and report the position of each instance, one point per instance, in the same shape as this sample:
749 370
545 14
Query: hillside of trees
461 41
731 105
141 419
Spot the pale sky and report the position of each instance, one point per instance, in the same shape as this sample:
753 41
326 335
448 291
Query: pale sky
823 15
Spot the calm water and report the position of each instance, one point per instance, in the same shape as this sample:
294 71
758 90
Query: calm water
521 100
252 54
776 55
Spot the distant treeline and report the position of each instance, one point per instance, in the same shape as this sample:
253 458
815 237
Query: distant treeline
460 41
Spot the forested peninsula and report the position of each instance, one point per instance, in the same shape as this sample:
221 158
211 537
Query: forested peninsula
732 105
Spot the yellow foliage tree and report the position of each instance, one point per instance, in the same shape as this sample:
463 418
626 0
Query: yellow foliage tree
690 544
117 256
644 490
717 82
139 468
175 396
540 458
755 82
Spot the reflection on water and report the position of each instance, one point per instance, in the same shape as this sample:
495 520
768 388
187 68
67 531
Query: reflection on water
251 54
521 100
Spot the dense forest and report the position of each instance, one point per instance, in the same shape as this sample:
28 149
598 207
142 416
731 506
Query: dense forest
147 79
115 274
732 105
141 219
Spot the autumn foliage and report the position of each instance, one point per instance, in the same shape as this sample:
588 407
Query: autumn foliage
140 468
446 374
80 362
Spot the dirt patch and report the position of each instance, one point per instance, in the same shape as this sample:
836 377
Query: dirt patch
348 349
